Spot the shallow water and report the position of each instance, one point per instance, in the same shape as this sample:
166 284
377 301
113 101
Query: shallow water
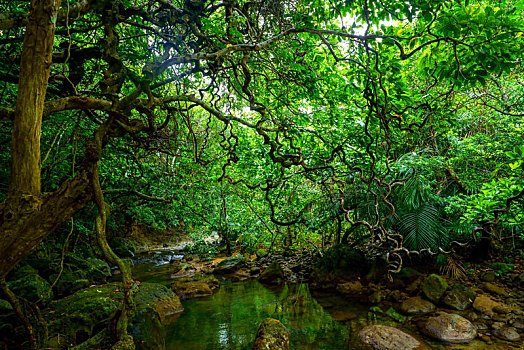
230 319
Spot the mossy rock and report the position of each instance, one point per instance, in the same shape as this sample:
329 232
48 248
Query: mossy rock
434 287
273 274
161 299
90 310
33 288
70 282
230 265
271 335
97 270
188 288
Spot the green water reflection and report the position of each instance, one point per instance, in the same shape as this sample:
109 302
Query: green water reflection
229 319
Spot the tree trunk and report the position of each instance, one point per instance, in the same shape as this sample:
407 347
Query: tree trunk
35 64
21 221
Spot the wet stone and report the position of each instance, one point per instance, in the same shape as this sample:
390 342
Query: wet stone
450 328
416 305
434 287
507 333
459 297
388 338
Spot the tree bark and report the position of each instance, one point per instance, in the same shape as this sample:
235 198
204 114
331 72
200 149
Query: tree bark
35 65
22 211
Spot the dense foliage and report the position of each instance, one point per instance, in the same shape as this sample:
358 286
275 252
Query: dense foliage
393 125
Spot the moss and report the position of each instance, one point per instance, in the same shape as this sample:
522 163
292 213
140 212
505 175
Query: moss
33 288
434 287
271 335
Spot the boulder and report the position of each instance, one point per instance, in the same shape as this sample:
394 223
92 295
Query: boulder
484 304
351 288
273 274
97 270
32 287
459 297
488 276
89 311
229 265
507 333
493 289
434 287
187 288
271 335
416 305
70 282
388 338
450 328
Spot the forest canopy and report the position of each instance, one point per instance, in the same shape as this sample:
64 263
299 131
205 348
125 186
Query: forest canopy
396 126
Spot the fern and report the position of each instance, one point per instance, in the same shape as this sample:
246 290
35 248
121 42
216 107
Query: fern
421 229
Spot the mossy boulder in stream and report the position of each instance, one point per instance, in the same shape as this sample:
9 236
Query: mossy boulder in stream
271 335
229 265
273 274
87 312
434 287
188 288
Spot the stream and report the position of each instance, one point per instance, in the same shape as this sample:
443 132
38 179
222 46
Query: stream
230 318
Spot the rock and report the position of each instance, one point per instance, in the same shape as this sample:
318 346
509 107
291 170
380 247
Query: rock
502 309
493 288
519 280
507 333
408 273
33 288
414 286
450 328
488 276
434 287
376 297
343 315
351 288
388 338
459 297
229 265
416 305
97 270
273 274
271 335
90 311
70 282
484 304
189 288
159 298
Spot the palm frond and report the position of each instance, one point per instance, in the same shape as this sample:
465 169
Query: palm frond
421 229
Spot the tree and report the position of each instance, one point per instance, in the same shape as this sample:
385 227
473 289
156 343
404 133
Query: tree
316 88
